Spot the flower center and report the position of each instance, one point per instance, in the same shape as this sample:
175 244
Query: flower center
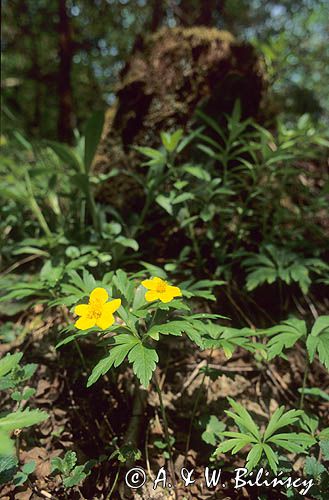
161 287
95 310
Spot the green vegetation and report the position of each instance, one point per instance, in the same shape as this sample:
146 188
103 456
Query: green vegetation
190 332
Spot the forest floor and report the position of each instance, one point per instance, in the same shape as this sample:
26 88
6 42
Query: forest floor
93 421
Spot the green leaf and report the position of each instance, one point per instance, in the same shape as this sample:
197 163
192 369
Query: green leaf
124 285
284 336
321 325
123 344
7 446
8 362
243 418
314 391
20 419
127 242
272 457
29 467
8 466
144 361
165 203
197 171
19 478
254 456
313 468
318 341
213 429
66 154
280 419
292 441
77 476
18 396
324 445
170 141
93 134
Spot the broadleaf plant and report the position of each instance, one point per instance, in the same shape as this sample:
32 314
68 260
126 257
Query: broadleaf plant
264 444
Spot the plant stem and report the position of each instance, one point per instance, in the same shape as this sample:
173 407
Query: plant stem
196 402
35 207
165 424
114 484
81 356
301 402
76 343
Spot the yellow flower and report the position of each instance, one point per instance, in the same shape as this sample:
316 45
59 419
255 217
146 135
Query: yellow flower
98 312
159 289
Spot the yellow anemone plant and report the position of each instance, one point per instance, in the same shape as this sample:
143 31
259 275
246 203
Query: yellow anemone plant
159 289
98 311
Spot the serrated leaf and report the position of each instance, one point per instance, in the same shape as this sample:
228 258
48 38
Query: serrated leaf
313 468
280 419
324 445
123 344
254 456
8 466
284 336
7 446
8 362
243 418
144 361
21 419
318 341
213 429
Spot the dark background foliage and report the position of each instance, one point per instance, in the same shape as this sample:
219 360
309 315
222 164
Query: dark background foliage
62 57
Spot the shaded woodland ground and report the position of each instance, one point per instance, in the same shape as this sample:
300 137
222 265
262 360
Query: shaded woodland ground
207 168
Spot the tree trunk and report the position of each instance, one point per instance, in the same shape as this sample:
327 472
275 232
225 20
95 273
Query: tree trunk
65 122
169 75
157 15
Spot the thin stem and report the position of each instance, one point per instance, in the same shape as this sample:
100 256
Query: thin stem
114 484
165 424
81 356
195 406
307 368
35 207
83 361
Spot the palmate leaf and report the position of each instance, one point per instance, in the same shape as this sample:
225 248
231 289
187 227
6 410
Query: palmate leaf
243 418
123 343
284 336
177 328
280 419
143 358
318 340
254 456
295 442
229 339
262 443
273 264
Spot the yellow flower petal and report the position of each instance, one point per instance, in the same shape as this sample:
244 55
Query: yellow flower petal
99 295
150 284
174 290
81 310
151 295
112 306
105 321
166 297
84 323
